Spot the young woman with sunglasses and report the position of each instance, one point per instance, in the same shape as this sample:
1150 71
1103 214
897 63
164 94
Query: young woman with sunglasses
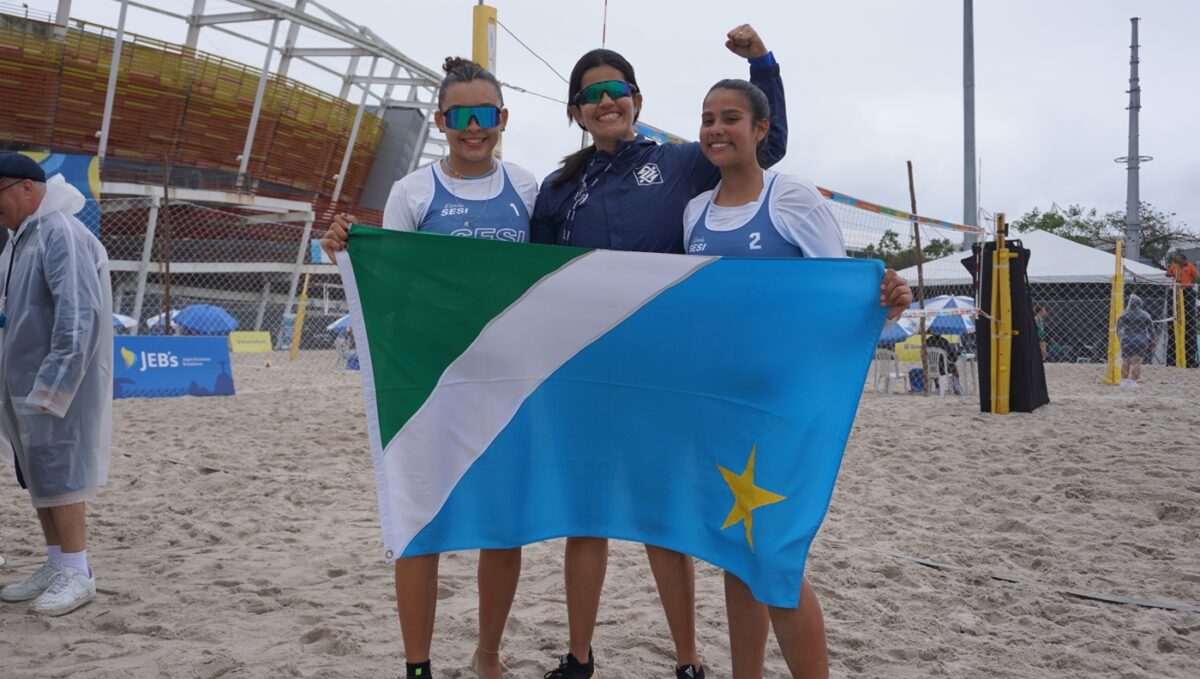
627 192
754 212
468 193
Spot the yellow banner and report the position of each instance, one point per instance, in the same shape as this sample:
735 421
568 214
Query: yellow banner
909 350
250 342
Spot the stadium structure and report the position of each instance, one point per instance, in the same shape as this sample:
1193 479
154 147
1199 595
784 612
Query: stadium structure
211 178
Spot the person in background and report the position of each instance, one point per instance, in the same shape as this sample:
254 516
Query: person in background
468 193
628 192
1039 319
1135 329
56 364
951 367
754 212
1184 273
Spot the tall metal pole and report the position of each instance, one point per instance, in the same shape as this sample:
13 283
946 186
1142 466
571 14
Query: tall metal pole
1133 213
193 34
113 69
62 18
144 267
970 183
912 193
483 49
166 254
289 43
358 116
258 101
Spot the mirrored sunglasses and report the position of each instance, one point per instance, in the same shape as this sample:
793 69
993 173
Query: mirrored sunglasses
459 117
615 89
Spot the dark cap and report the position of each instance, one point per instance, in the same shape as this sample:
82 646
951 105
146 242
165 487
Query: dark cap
17 166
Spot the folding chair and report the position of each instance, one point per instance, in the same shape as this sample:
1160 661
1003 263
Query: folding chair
939 369
887 370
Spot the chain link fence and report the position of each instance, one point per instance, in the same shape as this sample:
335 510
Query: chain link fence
252 264
241 269
1070 283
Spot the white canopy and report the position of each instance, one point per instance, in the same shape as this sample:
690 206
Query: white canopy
1052 259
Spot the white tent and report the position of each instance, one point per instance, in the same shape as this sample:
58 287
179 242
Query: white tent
1052 259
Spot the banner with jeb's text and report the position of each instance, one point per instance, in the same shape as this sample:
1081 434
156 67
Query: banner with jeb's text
519 392
158 367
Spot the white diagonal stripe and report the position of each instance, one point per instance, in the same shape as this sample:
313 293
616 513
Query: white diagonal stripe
482 389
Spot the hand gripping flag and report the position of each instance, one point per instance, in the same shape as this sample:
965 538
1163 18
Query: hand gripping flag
517 393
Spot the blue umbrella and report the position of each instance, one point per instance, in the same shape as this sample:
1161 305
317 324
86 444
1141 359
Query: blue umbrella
340 324
949 324
205 319
894 333
121 322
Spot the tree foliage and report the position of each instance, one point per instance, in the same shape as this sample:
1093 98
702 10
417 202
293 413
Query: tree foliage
1162 232
896 256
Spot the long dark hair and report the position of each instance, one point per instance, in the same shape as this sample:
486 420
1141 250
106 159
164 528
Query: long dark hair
460 70
760 108
574 164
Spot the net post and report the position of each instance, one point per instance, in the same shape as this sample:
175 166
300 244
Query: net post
1001 324
298 327
1112 374
1181 347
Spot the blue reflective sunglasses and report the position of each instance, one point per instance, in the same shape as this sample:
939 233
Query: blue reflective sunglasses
615 89
459 117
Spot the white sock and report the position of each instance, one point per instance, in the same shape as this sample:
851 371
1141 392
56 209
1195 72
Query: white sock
54 555
76 560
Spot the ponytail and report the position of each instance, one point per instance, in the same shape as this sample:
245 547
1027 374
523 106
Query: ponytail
573 166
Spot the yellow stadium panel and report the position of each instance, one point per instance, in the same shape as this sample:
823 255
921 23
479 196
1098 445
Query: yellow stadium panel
175 104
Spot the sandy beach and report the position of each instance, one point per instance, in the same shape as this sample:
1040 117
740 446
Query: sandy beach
238 537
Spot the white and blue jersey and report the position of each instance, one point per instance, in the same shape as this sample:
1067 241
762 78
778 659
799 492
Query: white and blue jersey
790 218
495 207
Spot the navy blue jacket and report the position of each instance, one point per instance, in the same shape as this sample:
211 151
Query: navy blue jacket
634 199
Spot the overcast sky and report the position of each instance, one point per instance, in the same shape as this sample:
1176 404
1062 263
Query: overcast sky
870 84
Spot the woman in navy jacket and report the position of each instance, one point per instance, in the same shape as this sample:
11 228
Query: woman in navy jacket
627 192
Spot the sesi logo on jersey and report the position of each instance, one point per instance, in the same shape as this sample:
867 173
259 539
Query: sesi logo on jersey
492 233
452 209
648 174
697 245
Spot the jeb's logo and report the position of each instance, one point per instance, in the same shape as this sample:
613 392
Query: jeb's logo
648 174
161 359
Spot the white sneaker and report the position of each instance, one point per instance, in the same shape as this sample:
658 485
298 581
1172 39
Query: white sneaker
31 587
69 590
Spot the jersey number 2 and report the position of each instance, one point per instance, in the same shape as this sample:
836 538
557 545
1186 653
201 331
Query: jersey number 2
755 237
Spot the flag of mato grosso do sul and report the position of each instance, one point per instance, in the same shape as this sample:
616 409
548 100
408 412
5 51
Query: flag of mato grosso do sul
517 393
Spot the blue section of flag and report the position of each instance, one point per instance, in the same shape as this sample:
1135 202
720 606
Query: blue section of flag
625 439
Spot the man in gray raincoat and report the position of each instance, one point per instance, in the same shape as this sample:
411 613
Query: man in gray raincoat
56 357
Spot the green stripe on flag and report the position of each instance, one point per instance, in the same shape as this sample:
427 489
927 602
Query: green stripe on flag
426 297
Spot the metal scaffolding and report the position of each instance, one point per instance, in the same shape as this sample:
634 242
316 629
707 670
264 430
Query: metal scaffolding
410 84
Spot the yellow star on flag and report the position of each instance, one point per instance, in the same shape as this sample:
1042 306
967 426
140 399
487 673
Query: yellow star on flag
747 497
